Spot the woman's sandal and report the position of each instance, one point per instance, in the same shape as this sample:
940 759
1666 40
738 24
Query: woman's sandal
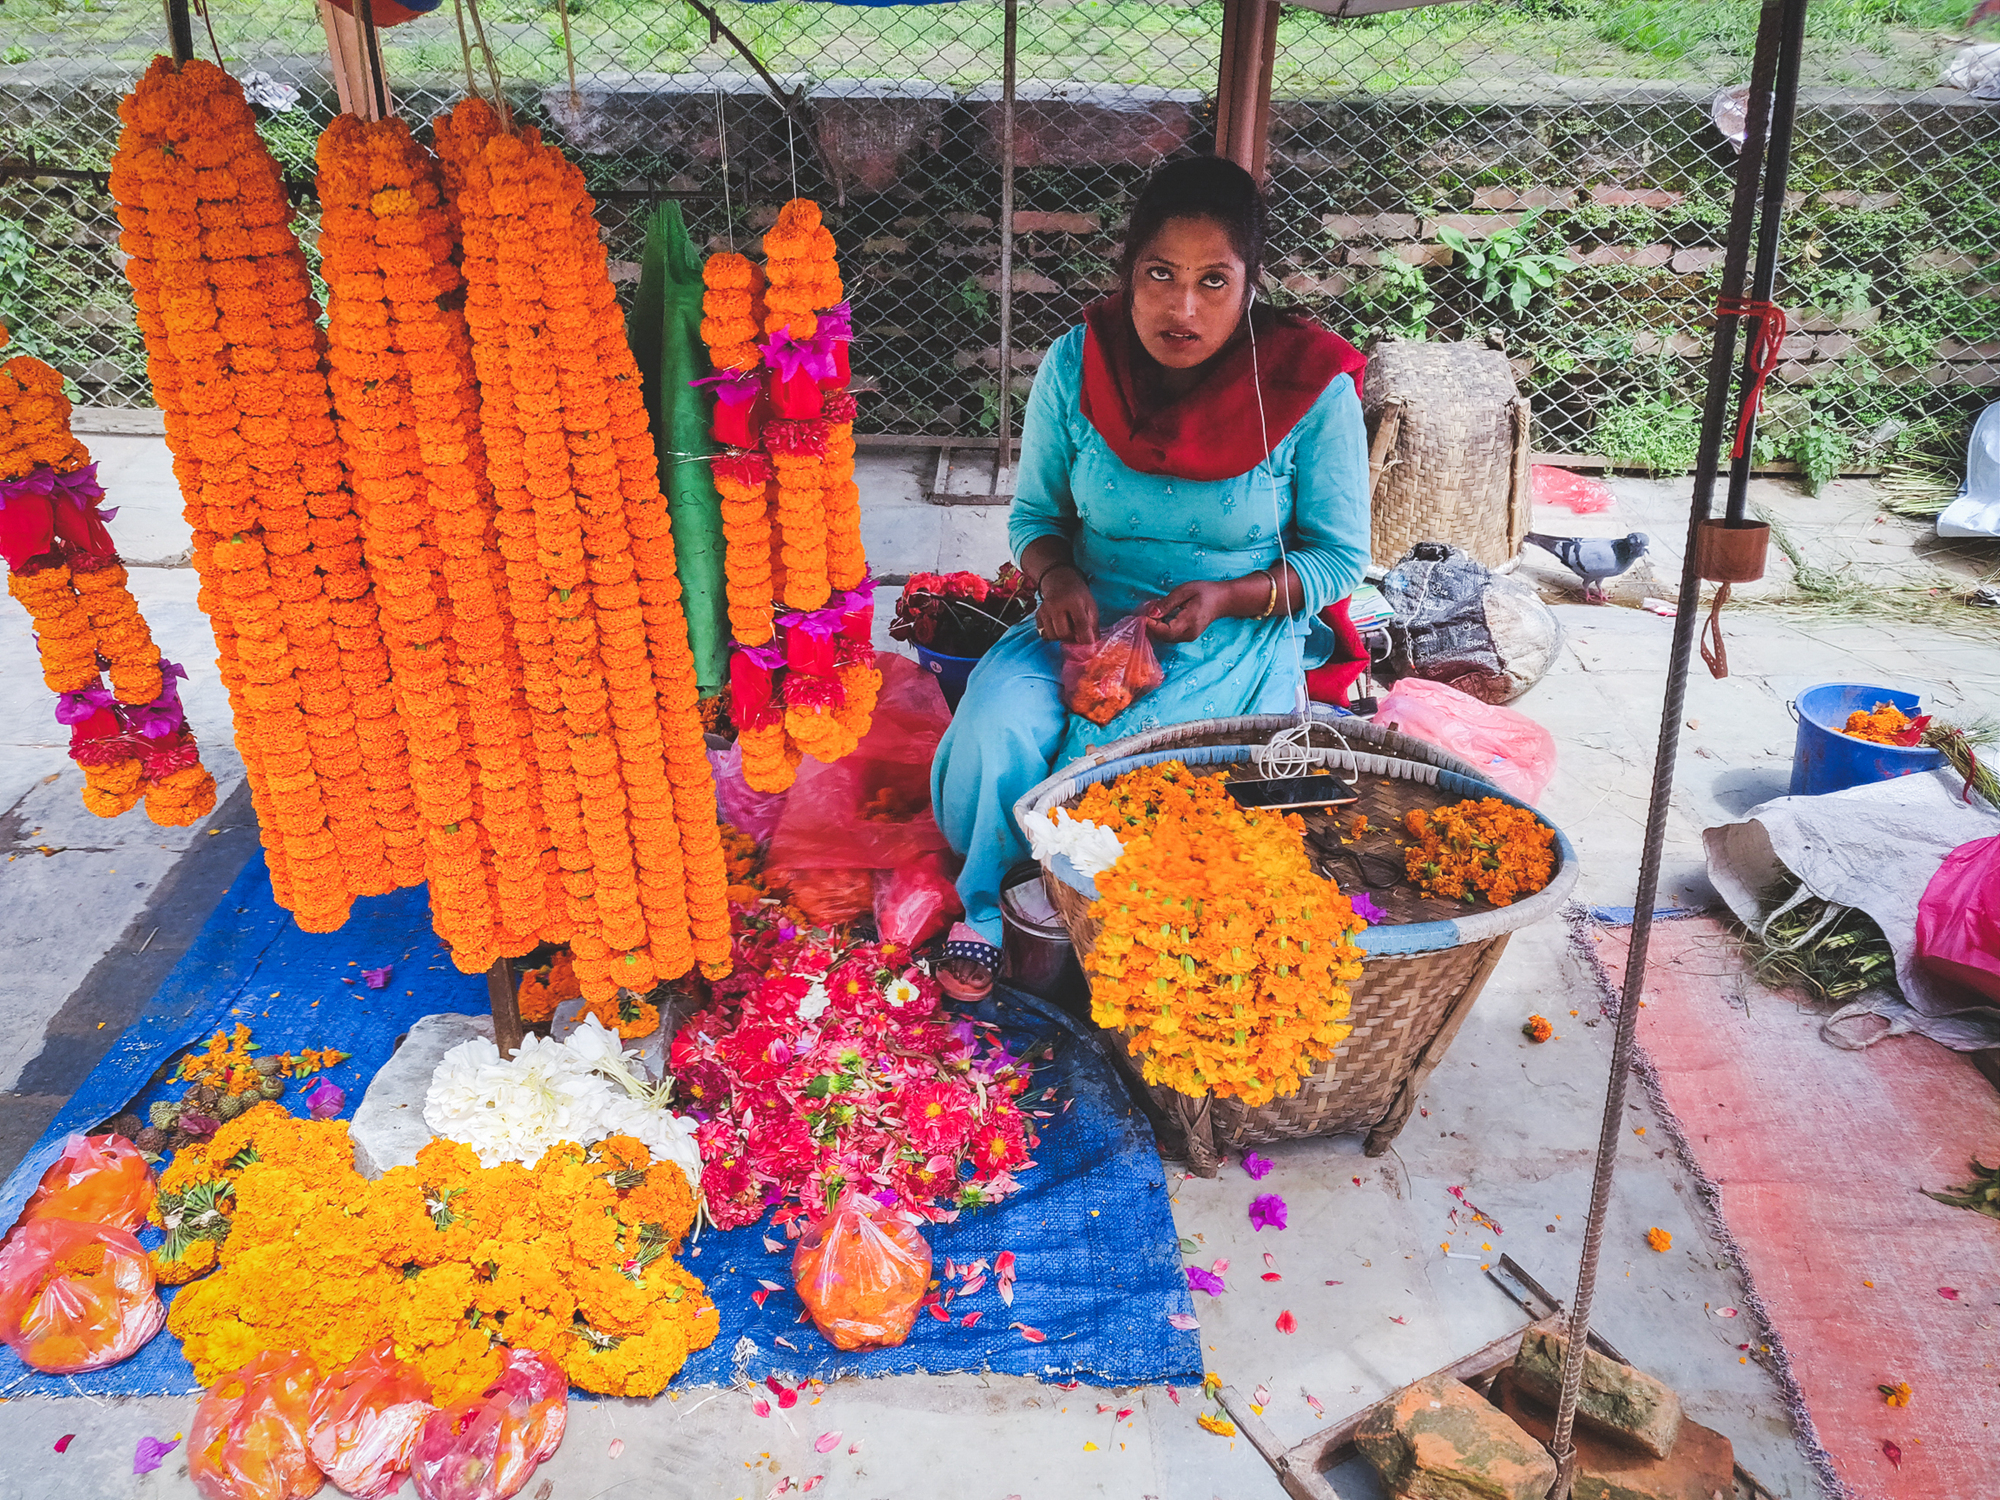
965 950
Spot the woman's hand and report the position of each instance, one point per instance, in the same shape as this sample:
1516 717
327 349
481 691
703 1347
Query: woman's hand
1068 612
1190 609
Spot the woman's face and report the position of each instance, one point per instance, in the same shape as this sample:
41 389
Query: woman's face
1187 292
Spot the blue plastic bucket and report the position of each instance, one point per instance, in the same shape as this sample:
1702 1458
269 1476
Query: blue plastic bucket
950 671
1825 760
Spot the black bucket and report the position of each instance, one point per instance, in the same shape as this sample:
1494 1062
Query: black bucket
1036 953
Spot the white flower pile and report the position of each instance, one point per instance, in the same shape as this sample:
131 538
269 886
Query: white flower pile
581 1089
1092 849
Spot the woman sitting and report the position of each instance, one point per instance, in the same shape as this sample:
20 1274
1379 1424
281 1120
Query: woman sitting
1186 455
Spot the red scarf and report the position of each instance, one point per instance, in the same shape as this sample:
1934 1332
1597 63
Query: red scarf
1212 432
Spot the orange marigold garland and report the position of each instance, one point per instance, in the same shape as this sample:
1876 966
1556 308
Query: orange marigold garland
1223 957
207 216
385 253
132 740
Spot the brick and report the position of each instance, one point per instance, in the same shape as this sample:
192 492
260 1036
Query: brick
1802 372
1618 197
1073 123
1951 262
1302 284
1616 1399
967 252
1490 199
1439 1440
967 221
1472 226
1694 261
1833 345
1647 256
1414 255
624 271
1024 281
1370 226
886 244
1867 203
1820 320
1685 345
1960 352
1798 346
1034 221
989 358
1702 1465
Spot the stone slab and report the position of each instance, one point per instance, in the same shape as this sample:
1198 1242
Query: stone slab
1440 1440
389 1129
1625 1404
1701 1465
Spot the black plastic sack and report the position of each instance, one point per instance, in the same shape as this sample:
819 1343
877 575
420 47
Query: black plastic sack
1458 623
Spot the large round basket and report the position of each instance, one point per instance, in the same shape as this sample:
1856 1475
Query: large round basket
1425 965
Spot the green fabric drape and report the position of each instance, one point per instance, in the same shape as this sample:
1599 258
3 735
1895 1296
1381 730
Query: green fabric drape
665 333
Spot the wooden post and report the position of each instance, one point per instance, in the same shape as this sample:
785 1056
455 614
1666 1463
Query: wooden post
507 1028
353 65
1243 91
180 30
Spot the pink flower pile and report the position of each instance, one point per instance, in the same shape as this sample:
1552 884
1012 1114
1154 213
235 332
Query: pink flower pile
825 1066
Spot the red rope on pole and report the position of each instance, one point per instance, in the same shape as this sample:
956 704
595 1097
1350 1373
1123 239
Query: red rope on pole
1770 337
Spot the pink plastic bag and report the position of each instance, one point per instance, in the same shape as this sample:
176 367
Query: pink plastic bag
871 810
489 1447
1103 679
1506 748
915 902
76 1296
98 1179
1958 920
1577 493
364 1422
248 1441
743 807
862 1271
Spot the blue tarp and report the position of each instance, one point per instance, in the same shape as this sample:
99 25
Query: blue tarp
1091 1229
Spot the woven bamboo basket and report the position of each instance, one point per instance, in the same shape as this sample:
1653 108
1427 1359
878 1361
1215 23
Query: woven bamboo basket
1425 965
1448 450
1332 730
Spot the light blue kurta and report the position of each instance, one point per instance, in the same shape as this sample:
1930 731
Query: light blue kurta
1136 537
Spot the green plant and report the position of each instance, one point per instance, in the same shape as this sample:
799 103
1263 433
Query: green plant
1820 450
971 297
1655 433
15 54
1395 300
1504 267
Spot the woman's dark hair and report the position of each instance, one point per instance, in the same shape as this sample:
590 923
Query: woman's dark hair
1199 187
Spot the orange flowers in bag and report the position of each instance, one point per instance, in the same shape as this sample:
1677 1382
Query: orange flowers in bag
364 1420
862 1271
489 1447
248 1441
98 1179
76 1297
1103 679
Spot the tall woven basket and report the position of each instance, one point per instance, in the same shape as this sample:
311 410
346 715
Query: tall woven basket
1424 968
1448 450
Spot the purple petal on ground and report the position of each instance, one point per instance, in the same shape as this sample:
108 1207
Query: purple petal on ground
375 979
326 1099
1366 909
1184 1321
1200 1280
1267 1211
1256 1165
147 1456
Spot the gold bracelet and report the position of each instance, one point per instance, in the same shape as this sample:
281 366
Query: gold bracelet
1272 602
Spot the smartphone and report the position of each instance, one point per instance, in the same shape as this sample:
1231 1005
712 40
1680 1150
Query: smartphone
1294 791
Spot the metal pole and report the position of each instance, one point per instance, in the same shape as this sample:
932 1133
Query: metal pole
1770 228
1775 34
180 30
371 60
1004 408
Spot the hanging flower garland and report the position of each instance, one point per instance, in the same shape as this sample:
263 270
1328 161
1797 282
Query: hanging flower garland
231 331
132 740
385 253
802 676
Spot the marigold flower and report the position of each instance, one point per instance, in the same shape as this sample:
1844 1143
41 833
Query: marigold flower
1658 1239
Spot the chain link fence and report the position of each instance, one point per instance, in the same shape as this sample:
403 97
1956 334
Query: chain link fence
1548 174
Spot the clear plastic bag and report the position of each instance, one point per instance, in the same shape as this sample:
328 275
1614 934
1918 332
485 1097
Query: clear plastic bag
76 1296
743 807
862 1271
364 1422
489 1447
248 1441
915 902
98 1179
1958 921
1103 679
1507 748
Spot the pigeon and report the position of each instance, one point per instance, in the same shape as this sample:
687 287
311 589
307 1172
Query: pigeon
1593 558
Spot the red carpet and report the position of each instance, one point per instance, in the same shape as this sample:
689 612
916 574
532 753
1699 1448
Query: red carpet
1817 1156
